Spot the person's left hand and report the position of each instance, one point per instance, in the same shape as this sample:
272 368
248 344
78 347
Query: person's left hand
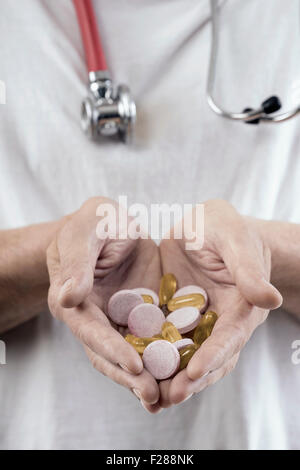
234 268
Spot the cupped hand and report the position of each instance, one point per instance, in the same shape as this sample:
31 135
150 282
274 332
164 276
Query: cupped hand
233 266
86 267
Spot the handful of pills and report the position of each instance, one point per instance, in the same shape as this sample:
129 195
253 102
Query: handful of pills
165 329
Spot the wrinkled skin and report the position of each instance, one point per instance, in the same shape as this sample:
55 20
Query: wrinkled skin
98 268
233 266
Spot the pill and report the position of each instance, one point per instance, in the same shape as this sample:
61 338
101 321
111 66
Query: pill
167 288
190 300
120 305
139 344
146 291
170 332
185 319
182 343
200 334
192 290
147 299
205 327
208 321
186 354
161 359
145 320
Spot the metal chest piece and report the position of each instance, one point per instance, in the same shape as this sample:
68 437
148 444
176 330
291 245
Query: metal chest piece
107 111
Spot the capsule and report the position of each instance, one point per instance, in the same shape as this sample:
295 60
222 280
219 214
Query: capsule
147 299
190 300
208 321
139 344
186 355
170 333
200 334
167 289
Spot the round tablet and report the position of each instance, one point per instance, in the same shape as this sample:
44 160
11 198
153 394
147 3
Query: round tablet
145 320
192 290
182 343
120 305
185 318
146 291
161 359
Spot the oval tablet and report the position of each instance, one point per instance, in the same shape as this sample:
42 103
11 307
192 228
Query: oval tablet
185 319
146 291
161 359
120 305
145 320
190 289
182 343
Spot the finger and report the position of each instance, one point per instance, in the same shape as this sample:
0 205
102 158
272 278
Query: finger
144 386
91 326
230 334
164 399
183 388
78 249
249 264
154 409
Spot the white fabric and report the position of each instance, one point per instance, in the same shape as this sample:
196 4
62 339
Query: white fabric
50 397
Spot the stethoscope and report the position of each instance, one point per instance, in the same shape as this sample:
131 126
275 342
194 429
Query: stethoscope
109 110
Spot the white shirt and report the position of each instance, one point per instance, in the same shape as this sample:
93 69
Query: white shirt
51 397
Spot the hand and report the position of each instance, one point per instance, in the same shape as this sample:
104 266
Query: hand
84 271
234 268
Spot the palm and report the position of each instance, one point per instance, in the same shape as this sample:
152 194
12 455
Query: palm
125 264
207 269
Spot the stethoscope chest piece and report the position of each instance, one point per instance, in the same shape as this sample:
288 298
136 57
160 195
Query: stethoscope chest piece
107 110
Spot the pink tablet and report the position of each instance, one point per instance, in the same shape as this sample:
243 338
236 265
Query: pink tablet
161 359
185 318
145 320
120 305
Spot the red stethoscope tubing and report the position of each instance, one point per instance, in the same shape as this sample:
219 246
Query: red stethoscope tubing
94 53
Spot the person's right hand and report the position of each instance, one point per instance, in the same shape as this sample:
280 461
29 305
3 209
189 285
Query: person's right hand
85 271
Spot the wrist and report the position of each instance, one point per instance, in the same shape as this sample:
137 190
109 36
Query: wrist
24 279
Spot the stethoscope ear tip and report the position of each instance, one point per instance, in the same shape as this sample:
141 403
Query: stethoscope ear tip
271 105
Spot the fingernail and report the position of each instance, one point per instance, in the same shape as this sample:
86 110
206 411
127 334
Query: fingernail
137 393
66 287
148 411
124 367
187 398
195 386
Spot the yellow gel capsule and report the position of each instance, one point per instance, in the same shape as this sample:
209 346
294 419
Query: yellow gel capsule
208 321
186 355
158 336
147 299
209 318
139 344
200 334
170 332
190 300
167 289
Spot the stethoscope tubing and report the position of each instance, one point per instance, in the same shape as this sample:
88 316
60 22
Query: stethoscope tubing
245 116
94 53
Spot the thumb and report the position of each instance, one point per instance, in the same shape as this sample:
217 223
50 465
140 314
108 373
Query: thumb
78 249
248 264
253 285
